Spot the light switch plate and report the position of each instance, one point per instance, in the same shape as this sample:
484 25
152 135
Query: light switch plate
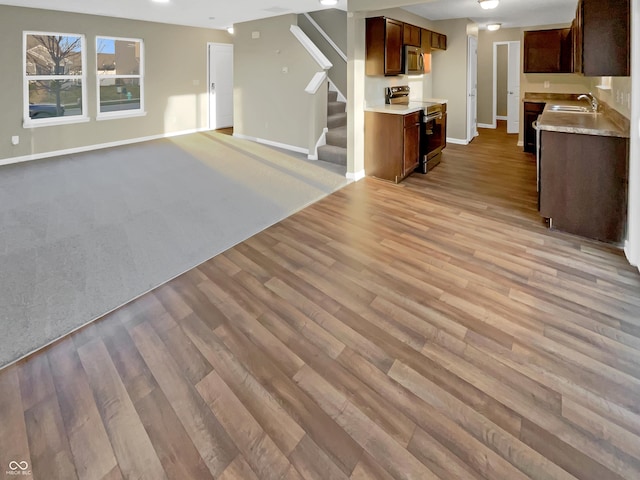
15 140
255 35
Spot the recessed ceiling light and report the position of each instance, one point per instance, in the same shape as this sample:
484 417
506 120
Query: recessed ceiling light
488 4
161 1
494 26
328 2
230 30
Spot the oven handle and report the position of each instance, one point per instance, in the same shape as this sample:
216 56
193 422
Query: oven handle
433 116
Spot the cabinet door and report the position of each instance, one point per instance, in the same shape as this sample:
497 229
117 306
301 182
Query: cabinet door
411 150
531 112
411 35
393 47
606 38
425 41
576 29
542 51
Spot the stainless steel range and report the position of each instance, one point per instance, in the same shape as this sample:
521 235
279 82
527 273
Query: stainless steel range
433 136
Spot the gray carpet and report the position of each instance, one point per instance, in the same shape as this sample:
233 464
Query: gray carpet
83 234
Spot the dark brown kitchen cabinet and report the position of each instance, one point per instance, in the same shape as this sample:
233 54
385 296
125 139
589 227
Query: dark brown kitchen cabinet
531 112
602 30
438 41
384 41
411 35
548 51
392 144
583 184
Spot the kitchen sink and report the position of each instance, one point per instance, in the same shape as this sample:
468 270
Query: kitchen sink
570 108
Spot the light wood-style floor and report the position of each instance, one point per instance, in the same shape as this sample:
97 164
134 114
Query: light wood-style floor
432 329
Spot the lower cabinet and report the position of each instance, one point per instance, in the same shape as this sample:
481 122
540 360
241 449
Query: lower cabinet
392 144
583 184
531 112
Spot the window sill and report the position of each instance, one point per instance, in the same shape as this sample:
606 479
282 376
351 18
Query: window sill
113 116
51 122
603 87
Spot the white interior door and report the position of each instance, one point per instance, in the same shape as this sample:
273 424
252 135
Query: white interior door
472 88
513 88
220 85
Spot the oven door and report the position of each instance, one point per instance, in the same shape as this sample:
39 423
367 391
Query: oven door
434 133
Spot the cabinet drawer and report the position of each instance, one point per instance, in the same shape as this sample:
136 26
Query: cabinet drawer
412 118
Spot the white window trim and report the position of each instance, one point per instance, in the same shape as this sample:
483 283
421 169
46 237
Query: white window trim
139 112
27 122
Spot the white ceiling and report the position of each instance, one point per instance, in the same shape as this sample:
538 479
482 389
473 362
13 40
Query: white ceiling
510 13
224 13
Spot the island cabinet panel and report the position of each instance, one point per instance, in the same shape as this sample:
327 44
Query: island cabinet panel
384 41
392 144
583 184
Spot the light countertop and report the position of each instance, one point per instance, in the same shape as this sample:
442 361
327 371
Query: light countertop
403 109
582 123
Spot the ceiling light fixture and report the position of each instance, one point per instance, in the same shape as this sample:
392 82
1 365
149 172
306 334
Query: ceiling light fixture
161 1
328 3
488 4
494 26
230 30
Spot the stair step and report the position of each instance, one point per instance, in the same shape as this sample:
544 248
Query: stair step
337 137
333 96
333 154
336 107
336 120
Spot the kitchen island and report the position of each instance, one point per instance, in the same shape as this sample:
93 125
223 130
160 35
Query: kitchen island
582 169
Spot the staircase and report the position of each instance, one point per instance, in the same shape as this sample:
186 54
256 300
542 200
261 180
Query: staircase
335 151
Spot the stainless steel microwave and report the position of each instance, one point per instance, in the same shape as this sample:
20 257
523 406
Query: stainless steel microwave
413 60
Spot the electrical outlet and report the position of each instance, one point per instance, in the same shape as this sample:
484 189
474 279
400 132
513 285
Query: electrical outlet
285 69
629 100
255 35
547 84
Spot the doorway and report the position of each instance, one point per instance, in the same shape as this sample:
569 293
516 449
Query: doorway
220 85
506 84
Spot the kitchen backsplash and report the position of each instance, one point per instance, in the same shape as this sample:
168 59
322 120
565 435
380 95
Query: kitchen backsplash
619 95
374 87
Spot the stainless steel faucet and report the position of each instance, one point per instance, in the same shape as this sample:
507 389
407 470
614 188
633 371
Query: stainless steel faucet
592 100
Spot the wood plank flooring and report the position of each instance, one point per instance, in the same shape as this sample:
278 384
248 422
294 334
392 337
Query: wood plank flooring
434 329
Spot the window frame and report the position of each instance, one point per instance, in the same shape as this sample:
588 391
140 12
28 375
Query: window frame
140 76
28 122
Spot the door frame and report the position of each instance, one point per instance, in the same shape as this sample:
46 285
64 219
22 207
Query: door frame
471 135
208 86
494 113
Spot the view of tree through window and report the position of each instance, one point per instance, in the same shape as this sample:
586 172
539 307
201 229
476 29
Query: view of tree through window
54 74
119 75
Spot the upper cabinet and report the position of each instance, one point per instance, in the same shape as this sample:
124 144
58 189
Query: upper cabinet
384 46
385 41
411 35
548 51
438 41
602 36
597 44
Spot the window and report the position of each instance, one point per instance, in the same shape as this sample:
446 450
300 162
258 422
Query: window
120 74
54 78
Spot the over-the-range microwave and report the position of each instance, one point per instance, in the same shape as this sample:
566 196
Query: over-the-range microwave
413 60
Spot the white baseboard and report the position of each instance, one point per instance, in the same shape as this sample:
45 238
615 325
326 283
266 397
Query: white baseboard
98 146
486 125
271 143
355 176
501 117
457 141
321 141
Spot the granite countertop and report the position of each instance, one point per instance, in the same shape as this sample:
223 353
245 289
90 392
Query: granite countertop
403 109
602 123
